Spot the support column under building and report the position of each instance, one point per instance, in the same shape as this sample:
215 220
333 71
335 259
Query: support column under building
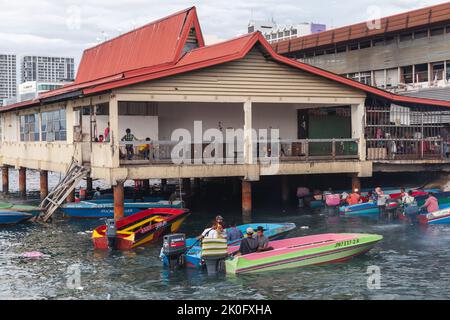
246 199
285 194
89 187
5 179
163 184
119 198
43 179
187 185
356 183
23 182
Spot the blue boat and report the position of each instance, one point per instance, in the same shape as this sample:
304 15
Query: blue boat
95 210
274 231
13 217
442 216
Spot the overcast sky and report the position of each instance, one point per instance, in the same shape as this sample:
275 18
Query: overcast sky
61 27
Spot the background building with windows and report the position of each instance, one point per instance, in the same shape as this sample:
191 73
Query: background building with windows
47 69
8 78
407 53
274 33
30 90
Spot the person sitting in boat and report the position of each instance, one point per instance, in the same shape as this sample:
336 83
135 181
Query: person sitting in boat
408 199
344 197
233 233
219 219
354 198
249 244
431 204
263 241
97 193
371 197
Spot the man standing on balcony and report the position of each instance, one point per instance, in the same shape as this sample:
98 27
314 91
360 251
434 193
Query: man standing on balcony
130 148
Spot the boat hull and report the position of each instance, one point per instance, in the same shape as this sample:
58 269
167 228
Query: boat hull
274 232
303 255
12 217
147 229
92 210
440 217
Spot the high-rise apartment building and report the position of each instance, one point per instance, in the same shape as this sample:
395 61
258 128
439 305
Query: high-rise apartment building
8 77
47 69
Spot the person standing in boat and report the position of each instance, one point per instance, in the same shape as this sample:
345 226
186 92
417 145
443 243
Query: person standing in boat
233 233
408 199
431 204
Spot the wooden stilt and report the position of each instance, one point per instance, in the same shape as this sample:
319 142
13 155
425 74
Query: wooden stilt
356 183
285 195
23 182
118 201
246 198
89 186
43 178
5 179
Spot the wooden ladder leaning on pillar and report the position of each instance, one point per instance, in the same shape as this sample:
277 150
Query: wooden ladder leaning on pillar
74 174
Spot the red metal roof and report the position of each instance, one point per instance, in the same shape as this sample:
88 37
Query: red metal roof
207 56
399 22
157 43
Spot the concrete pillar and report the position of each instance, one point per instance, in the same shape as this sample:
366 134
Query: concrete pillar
114 129
71 197
119 198
358 112
249 156
23 182
246 198
89 187
163 184
356 183
43 178
5 176
146 185
285 194
186 185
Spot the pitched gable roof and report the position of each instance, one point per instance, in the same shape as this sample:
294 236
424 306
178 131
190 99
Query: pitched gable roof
177 62
158 43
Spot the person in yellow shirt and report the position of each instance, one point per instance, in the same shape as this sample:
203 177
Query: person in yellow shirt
144 149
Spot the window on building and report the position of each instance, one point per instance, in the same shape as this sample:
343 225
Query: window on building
437 70
29 127
294 32
406 37
389 40
421 73
280 34
406 75
448 71
366 78
54 127
353 46
378 42
447 29
437 32
287 33
364 44
330 51
421 34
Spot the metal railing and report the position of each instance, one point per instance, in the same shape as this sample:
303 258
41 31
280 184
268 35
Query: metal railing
405 149
155 152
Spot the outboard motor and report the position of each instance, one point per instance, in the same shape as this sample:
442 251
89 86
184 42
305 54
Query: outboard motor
214 253
111 233
174 249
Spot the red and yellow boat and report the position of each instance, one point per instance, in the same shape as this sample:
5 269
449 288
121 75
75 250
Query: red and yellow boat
138 229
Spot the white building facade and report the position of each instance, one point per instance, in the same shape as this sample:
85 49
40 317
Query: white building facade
47 69
8 78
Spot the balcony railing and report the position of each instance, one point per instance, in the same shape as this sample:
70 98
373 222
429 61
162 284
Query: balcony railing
405 149
160 152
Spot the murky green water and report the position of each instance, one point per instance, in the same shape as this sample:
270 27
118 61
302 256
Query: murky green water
413 260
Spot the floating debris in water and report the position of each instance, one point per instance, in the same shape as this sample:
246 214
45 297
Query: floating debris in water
33 255
304 227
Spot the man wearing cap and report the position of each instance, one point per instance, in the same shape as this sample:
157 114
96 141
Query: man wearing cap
249 244
219 219
263 241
